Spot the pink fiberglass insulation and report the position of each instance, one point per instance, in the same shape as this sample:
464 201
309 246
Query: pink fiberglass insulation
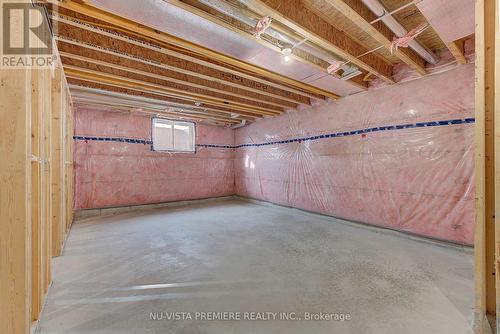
113 173
452 20
410 169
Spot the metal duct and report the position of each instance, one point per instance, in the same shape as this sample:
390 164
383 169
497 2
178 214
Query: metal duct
242 124
379 10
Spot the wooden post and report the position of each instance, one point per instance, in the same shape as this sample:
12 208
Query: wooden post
493 115
487 130
15 180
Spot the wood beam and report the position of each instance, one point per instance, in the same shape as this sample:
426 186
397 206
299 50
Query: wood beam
457 50
297 16
120 45
198 95
162 37
109 97
132 107
76 72
79 86
361 16
124 108
169 79
141 92
89 95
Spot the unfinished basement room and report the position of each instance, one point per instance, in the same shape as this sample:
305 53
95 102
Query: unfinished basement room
249 166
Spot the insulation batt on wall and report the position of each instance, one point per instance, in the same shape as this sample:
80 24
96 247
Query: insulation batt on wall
118 173
417 179
412 173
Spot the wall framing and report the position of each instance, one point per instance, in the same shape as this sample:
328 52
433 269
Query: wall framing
28 199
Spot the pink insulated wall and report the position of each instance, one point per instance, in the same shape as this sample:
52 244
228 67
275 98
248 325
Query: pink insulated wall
114 164
399 157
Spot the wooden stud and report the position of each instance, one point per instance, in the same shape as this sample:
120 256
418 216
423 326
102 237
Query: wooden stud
68 159
56 167
487 130
37 219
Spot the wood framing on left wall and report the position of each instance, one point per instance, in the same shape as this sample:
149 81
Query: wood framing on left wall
36 182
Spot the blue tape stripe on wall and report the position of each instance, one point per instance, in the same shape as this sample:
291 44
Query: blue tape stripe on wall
123 140
323 136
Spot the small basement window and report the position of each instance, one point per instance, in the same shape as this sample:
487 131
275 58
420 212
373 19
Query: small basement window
173 136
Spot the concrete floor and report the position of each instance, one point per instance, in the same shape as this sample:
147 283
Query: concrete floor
236 256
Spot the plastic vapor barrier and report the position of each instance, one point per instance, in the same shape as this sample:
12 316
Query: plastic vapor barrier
400 157
115 165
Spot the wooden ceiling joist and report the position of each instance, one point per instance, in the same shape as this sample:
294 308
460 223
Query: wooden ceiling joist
294 14
173 60
79 84
86 74
138 90
246 31
457 50
167 39
361 16
174 80
188 76
127 72
79 92
133 107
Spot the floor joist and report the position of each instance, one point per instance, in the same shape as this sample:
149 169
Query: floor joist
79 92
361 16
294 14
267 87
130 89
161 37
76 72
246 31
161 77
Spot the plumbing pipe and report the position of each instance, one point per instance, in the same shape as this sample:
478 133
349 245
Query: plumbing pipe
379 10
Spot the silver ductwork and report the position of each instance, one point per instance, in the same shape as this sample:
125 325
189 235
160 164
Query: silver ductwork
380 11
223 7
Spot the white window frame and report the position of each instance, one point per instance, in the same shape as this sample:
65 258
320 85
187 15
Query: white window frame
155 120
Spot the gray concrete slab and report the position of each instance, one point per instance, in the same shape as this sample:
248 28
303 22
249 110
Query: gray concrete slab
119 272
